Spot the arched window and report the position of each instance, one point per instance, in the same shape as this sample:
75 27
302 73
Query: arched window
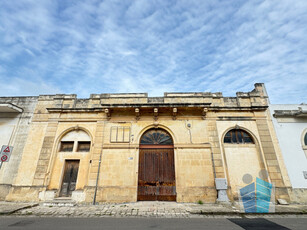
238 136
156 137
305 139
75 141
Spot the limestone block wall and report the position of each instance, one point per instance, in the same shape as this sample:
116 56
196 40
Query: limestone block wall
194 175
193 166
197 123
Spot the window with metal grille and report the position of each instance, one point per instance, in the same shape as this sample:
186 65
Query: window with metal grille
67 146
238 136
84 146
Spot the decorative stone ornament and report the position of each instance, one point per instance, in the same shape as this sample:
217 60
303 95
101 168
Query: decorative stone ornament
107 112
174 113
204 113
155 114
137 114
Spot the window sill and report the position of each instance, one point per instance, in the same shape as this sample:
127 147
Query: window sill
228 145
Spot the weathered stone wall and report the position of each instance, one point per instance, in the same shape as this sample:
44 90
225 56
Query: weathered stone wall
14 128
197 123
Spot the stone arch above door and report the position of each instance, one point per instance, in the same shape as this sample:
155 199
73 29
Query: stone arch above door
71 155
156 136
156 175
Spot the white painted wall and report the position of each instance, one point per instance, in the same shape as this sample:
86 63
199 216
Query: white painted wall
8 124
289 133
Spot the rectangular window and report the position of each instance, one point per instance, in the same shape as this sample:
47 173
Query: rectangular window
84 146
67 146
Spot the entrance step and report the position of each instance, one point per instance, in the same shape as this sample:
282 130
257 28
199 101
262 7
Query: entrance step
61 202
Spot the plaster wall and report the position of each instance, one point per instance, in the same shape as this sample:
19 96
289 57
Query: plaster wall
8 124
14 128
240 159
290 136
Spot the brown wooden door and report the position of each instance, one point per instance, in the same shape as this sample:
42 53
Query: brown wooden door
69 178
156 175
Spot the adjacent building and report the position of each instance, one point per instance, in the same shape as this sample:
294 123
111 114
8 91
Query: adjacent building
290 123
15 117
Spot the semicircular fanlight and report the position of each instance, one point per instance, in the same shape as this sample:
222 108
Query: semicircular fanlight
156 137
238 136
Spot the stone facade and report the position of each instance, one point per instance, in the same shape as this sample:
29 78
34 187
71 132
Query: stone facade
114 124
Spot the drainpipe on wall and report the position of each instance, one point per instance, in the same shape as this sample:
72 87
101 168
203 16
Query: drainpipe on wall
97 179
220 183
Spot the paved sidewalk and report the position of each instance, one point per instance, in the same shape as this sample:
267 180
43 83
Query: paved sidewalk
138 209
7 208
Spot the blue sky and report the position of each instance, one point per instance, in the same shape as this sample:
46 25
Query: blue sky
154 46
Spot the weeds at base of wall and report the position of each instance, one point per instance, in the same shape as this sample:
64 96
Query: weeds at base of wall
200 202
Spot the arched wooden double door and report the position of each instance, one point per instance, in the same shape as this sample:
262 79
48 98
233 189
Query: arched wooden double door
156 178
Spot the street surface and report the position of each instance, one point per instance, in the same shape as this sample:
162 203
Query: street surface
46 223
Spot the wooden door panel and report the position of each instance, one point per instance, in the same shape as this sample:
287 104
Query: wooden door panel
69 178
156 175
167 170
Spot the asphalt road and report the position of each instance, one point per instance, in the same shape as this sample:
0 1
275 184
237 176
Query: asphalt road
47 223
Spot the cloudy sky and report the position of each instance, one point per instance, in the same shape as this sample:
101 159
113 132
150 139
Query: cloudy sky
154 46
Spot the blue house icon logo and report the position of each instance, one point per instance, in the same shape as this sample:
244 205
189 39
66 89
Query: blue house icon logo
256 197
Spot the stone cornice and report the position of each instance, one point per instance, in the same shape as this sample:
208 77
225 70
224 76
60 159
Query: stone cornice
290 113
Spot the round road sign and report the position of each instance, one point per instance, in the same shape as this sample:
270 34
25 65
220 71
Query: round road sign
4 158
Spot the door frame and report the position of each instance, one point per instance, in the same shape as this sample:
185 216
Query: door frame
156 147
63 173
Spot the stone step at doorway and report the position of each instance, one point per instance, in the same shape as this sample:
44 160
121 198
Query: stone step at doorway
61 201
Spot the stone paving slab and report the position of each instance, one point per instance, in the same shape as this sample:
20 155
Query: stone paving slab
138 209
291 208
7 208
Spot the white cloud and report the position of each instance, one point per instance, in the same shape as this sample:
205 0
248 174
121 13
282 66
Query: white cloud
90 46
